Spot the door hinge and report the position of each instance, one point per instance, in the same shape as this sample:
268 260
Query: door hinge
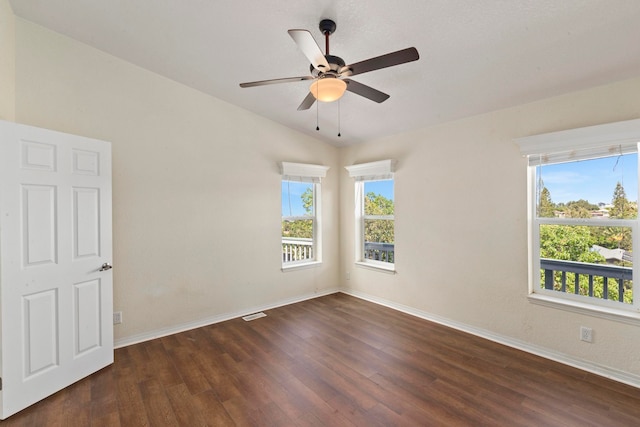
0 383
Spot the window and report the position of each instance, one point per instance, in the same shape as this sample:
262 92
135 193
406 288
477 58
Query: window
375 214
377 220
301 225
583 194
298 221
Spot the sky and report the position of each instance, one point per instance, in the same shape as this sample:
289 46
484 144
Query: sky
385 188
292 192
592 180
291 197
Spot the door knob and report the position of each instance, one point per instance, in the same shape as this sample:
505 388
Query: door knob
105 267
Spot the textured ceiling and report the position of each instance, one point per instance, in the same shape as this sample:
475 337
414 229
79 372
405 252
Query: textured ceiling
475 55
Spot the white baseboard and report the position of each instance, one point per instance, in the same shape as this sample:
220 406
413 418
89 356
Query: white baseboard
159 333
604 371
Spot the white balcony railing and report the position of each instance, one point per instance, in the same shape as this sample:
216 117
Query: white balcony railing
297 249
301 249
384 252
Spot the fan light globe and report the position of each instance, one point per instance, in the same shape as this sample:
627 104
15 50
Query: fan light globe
328 89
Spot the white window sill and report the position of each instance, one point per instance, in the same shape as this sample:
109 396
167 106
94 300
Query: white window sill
623 316
300 266
378 266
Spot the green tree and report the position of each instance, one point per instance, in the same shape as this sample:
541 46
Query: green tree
622 208
298 228
378 230
307 200
568 243
580 209
377 204
619 237
546 208
577 211
583 204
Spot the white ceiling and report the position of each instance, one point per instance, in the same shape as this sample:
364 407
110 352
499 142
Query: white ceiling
475 55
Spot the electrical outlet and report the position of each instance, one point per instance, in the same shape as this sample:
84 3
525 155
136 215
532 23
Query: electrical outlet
348 275
586 334
117 317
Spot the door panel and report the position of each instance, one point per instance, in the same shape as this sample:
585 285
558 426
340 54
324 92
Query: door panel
86 222
39 225
55 233
86 162
87 316
38 156
40 332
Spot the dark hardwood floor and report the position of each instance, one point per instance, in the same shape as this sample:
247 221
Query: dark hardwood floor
333 361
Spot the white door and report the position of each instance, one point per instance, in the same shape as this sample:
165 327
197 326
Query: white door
56 301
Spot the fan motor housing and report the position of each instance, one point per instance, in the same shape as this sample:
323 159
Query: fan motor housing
335 64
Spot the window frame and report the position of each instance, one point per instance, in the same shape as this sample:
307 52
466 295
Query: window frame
315 187
313 174
568 146
383 170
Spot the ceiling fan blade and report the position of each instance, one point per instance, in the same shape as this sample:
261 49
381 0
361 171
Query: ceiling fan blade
366 91
384 61
310 49
276 81
307 102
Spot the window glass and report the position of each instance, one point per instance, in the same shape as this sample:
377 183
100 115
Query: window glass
378 221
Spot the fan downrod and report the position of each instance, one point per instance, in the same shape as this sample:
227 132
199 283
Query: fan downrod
327 27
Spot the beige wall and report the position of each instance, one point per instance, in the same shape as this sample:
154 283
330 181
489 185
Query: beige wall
461 229
196 202
7 62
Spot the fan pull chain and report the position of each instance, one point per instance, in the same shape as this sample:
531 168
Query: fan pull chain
339 119
317 102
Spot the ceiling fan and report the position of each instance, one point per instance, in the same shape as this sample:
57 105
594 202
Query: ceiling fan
329 73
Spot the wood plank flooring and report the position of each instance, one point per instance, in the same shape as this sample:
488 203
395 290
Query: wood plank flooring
333 361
